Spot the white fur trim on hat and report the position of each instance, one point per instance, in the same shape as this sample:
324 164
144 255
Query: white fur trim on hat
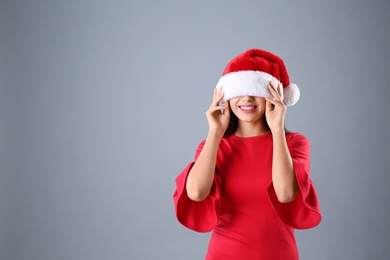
254 83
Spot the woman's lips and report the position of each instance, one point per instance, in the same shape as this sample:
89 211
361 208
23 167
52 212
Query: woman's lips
247 108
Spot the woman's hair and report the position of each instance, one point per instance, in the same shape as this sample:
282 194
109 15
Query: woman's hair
233 124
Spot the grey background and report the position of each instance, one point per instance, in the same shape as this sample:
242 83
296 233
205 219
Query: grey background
102 104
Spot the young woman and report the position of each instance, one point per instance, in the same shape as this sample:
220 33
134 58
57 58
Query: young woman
250 180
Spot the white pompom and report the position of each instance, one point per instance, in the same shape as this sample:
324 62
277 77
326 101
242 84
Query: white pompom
291 94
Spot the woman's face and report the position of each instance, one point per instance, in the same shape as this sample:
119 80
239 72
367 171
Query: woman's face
248 108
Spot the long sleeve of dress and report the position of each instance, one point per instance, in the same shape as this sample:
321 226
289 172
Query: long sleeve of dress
304 211
200 216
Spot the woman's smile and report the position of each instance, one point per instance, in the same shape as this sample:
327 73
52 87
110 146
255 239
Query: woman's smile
247 108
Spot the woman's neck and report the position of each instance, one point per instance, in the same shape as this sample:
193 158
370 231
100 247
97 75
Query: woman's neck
249 129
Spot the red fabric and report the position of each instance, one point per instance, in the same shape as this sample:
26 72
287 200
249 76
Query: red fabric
247 220
259 60
199 216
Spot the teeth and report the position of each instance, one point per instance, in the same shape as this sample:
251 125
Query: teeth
247 108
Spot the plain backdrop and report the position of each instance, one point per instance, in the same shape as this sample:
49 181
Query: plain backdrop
102 105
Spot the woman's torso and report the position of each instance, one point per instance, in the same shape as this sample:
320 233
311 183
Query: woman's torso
248 228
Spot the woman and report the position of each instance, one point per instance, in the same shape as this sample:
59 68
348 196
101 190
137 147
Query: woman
250 180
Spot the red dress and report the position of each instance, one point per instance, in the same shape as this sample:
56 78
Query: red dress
242 209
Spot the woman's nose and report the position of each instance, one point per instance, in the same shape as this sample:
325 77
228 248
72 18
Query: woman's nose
248 98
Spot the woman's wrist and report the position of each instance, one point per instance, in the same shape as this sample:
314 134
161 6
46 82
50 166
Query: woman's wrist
215 134
279 130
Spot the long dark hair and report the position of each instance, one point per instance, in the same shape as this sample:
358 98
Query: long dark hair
233 124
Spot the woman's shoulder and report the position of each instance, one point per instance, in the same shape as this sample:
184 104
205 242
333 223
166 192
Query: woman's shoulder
296 137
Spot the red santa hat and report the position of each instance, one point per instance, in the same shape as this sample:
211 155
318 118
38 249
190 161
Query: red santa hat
249 73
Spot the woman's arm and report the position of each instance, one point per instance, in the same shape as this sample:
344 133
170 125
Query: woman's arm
283 175
201 175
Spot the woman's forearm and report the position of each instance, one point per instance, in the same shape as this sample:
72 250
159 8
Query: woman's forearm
201 175
283 175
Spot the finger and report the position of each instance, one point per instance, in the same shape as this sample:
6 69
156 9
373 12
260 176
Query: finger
217 93
274 86
277 88
268 106
226 110
271 84
214 96
280 89
219 96
213 109
274 93
274 102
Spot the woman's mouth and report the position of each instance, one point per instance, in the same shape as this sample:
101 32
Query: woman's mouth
247 108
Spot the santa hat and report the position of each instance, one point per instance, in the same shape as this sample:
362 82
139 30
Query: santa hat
249 73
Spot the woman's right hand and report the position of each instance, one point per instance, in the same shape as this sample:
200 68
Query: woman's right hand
218 121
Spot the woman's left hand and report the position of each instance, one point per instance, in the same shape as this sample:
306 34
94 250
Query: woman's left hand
275 109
